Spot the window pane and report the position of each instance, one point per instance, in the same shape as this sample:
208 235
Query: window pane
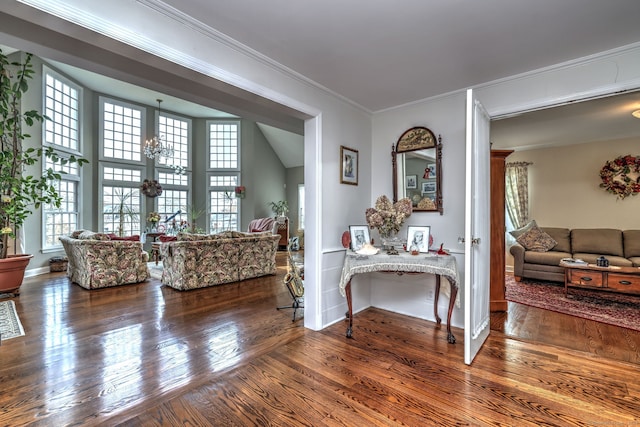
175 133
122 130
169 203
63 220
61 106
224 211
121 210
223 145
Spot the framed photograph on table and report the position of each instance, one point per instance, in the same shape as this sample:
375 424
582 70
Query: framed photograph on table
418 236
412 181
349 166
359 236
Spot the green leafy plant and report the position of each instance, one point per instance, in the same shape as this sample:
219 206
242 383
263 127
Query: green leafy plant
279 208
122 210
19 192
193 213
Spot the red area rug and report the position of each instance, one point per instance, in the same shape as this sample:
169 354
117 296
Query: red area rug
606 307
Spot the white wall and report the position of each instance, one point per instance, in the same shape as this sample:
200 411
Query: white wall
607 73
564 186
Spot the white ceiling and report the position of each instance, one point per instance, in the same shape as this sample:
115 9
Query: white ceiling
604 119
382 54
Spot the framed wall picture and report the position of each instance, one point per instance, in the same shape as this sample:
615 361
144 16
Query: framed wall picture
418 236
349 165
412 181
429 187
359 236
430 171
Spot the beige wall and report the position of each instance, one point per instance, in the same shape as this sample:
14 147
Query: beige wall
564 186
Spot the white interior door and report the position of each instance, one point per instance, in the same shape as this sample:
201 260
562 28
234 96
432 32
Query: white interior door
477 229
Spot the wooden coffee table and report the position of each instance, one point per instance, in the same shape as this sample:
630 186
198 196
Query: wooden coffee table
590 276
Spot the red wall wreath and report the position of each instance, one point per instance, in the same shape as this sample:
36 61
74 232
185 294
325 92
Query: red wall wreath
621 176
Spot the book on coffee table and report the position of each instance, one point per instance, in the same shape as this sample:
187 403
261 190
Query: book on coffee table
574 261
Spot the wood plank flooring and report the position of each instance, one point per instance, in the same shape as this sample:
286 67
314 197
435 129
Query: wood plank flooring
148 355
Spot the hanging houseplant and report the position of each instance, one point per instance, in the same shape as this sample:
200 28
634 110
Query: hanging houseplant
21 192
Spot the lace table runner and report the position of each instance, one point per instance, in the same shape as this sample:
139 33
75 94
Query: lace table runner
443 265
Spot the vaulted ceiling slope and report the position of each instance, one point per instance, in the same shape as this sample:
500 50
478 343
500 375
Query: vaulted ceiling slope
382 54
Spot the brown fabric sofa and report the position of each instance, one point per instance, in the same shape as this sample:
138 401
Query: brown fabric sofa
95 261
621 248
200 260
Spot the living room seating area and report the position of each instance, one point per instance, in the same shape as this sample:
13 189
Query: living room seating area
539 250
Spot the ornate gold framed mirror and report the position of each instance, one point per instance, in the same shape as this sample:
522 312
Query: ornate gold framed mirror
417 169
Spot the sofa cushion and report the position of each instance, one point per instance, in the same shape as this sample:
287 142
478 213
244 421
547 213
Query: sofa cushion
191 237
90 235
133 238
562 236
536 240
631 240
520 231
601 241
635 260
545 258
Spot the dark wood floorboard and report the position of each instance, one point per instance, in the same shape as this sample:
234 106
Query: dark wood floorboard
147 355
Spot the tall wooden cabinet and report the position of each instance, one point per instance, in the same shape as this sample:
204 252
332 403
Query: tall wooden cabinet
283 231
497 297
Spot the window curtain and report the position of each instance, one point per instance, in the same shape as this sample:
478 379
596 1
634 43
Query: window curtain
517 193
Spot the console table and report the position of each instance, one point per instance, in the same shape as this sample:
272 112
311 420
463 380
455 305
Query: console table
440 265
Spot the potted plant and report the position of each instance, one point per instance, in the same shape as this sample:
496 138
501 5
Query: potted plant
279 208
20 192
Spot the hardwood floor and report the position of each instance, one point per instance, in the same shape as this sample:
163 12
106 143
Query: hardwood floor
149 355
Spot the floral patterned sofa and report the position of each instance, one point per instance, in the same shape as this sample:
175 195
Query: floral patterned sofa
200 260
96 261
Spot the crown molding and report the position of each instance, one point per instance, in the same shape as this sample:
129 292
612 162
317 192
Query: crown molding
84 18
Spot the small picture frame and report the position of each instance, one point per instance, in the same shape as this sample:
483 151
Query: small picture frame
412 181
430 171
419 236
359 236
348 166
429 187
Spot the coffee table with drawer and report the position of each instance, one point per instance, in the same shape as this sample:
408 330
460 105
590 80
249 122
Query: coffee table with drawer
590 276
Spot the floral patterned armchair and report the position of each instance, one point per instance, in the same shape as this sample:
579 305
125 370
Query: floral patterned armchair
96 261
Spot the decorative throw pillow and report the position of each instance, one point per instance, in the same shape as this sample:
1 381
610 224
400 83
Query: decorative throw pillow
536 240
76 234
520 231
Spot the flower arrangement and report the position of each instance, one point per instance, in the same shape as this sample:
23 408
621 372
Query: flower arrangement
387 217
153 217
621 176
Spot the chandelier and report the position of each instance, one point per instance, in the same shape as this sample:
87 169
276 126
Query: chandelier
156 146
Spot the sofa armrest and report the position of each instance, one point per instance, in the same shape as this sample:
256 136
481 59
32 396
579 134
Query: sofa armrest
517 250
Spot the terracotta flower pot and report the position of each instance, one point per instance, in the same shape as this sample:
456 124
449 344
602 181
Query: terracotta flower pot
12 272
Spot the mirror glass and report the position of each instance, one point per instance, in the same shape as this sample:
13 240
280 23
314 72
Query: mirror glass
417 173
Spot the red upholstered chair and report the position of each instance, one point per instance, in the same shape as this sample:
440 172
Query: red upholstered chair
263 224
